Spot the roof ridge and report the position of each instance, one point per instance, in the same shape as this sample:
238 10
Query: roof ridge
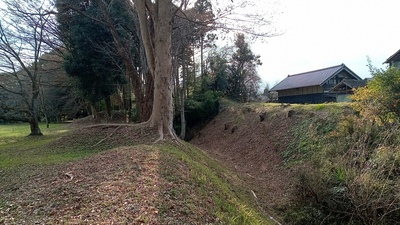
341 65
392 56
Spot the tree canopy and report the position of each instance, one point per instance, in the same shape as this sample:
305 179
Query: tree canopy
235 74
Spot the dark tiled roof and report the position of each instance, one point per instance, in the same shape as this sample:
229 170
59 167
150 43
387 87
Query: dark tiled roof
394 57
351 84
355 83
312 78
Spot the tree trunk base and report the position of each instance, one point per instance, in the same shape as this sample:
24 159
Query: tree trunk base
36 134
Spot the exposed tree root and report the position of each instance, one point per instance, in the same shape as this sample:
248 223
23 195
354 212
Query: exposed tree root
106 137
144 124
169 136
163 136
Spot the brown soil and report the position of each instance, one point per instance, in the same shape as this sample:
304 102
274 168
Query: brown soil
240 140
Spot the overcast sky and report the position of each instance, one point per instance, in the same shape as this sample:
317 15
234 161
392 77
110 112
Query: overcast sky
324 33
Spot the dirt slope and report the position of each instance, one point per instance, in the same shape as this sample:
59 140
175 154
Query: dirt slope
127 180
239 139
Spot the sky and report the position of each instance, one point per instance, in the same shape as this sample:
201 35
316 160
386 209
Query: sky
322 33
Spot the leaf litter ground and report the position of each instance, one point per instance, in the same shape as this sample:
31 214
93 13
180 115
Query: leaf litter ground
131 185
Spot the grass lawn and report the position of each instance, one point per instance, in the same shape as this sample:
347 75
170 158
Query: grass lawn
17 148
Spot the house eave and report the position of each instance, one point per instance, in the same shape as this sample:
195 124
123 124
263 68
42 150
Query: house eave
390 59
296 87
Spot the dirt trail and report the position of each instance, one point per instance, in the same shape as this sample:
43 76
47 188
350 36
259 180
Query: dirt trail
239 139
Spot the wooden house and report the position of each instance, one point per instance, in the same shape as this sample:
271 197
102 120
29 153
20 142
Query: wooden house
314 86
394 60
345 88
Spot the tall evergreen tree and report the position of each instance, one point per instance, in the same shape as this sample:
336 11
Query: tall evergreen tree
218 71
121 20
98 72
243 79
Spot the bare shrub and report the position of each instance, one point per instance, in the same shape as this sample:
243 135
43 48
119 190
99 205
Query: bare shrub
354 177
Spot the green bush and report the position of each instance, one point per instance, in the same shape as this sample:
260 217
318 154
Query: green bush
379 101
199 109
320 106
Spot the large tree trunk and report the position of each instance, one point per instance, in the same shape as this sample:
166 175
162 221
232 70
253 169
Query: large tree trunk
162 116
159 59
